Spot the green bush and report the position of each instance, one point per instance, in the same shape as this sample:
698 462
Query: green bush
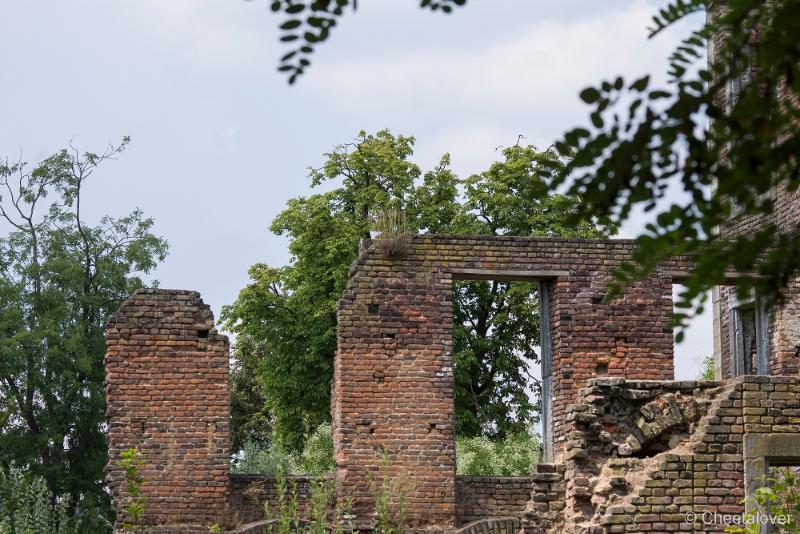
707 371
316 458
257 461
25 506
317 455
514 456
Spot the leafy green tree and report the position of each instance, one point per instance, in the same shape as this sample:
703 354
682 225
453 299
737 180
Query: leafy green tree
285 319
497 323
61 279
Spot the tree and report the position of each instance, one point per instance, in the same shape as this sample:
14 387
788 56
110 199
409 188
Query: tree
285 318
61 280
645 142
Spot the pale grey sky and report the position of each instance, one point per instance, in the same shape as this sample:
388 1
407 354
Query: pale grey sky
221 142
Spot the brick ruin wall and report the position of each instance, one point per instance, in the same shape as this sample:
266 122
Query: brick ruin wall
638 455
393 378
167 394
747 420
477 497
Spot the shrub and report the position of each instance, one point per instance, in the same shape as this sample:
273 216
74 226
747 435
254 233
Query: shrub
25 506
317 455
707 371
514 456
257 461
316 458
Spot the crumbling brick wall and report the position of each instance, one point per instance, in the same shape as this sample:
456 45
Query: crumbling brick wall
253 497
393 379
167 393
616 425
477 497
706 473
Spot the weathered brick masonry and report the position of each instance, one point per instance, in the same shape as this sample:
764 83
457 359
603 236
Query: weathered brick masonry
167 394
750 422
637 454
479 497
393 379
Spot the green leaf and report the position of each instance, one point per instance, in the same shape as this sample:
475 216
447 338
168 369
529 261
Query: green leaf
590 95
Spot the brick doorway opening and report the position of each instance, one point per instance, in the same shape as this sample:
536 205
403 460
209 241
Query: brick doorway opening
508 340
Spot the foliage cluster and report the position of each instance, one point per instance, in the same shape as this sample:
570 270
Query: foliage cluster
514 456
133 503
26 505
725 134
287 514
389 495
316 457
707 371
308 22
778 501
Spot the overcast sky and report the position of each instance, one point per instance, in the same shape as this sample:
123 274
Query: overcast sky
221 142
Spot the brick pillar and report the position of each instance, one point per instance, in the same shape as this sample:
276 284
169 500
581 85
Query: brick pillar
167 394
393 401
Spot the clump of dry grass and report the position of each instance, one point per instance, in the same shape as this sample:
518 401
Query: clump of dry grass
393 237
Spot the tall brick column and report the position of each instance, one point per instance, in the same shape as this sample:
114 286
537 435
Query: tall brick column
167 394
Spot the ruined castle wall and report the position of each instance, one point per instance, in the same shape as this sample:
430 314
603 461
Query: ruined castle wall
708 472
252 497
393 380
167 393
477 497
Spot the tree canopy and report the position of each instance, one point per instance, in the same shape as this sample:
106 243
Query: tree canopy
61 279
285 319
